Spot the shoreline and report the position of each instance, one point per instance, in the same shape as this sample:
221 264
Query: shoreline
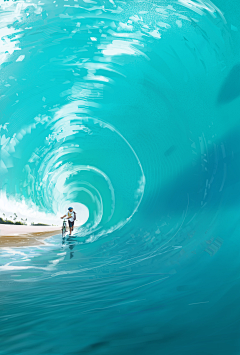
25 236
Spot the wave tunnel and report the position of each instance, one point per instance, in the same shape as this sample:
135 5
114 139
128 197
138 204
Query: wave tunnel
129 112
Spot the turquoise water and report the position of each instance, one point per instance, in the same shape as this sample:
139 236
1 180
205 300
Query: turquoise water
129 112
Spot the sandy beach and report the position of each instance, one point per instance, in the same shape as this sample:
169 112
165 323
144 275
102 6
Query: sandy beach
18 236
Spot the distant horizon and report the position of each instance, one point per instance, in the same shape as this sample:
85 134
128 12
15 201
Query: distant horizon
32 213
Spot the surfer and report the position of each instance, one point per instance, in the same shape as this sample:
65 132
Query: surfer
71 216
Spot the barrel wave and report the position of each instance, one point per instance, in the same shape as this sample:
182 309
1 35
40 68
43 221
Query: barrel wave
129 112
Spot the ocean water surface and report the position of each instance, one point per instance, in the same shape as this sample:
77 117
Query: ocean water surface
129 112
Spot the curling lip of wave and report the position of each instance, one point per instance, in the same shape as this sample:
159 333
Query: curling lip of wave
58 125
128 46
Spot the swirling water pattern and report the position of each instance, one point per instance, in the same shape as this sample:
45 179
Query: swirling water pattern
129 112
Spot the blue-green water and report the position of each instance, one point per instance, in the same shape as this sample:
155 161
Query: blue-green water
130 109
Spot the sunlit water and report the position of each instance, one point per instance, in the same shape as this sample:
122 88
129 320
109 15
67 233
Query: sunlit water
128 111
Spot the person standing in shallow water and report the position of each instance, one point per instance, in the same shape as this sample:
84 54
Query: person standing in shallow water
70 216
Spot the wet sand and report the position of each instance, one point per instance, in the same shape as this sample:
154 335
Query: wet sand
22 236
